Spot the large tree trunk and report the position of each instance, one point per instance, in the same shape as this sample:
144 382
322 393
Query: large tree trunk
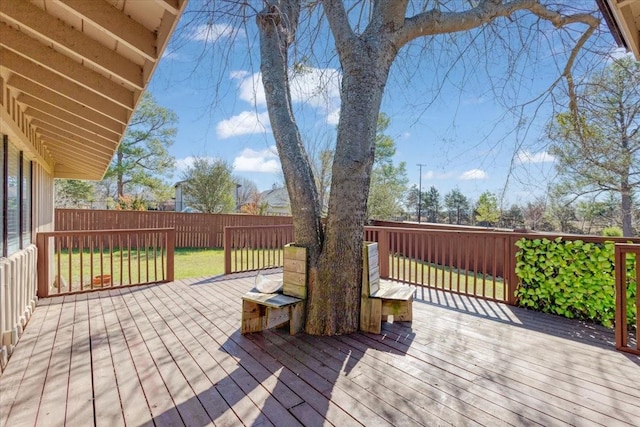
626 207
334 300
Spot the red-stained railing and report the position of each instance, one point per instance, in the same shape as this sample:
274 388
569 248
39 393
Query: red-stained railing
255 248
625 253
465 262
476 263
79 261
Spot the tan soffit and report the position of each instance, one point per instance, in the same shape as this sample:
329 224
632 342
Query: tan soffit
77 68
623 18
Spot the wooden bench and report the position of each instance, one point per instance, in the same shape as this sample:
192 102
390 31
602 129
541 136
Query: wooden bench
265 311
262 311
381 299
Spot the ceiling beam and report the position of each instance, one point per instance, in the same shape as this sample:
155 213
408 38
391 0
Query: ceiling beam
171 6
66 154
72 129
34 103
58 136
63 171
61 85
57 32
115 22
64 66
70 106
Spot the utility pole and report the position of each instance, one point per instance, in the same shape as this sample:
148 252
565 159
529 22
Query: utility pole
420 165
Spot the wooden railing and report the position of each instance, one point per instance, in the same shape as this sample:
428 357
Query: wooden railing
627 253
255 248
464 262
476 263
79 261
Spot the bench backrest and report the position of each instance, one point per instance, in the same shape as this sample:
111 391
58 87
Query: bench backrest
294 274
370 268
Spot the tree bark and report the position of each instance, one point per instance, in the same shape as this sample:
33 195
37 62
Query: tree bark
626 207
335 254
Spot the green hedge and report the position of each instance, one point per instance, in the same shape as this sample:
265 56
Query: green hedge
571 278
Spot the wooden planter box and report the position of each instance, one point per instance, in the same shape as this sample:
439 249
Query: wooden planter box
103 280
294 280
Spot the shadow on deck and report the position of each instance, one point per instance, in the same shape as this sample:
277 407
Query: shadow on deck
172 354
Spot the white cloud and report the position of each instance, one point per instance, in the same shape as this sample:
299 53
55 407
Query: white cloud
473 174
245 123
257 161
433 175
316 87
183 164
525 157
211 33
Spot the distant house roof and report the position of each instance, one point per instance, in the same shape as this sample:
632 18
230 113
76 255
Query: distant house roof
276 197
623 19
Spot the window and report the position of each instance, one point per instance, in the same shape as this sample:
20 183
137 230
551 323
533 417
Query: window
15 198
26 203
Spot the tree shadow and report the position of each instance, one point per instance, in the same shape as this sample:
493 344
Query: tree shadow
575 330
272 378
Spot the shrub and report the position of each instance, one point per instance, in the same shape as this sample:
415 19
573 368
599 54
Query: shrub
571 278
612 231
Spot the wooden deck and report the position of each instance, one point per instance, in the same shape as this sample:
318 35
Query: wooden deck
172 354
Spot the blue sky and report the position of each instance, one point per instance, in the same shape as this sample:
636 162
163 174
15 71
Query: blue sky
448 118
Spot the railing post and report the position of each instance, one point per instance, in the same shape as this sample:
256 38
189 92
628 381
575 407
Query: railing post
227 251
620 265
511 278
44 281
171 245
383 252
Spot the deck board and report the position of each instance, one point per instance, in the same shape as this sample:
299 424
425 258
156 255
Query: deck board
173 354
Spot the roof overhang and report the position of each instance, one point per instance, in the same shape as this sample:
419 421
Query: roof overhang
623 18
75 70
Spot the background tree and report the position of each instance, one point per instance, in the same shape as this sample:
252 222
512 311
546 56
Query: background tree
562 214
512 217
246 192
457 206
594 215
431 204
411 202
368 38
142 161
72 193
209 186
597 144
255 205
388 182
487 212
534 212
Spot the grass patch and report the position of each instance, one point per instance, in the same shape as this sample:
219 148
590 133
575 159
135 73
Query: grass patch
198 262
446 277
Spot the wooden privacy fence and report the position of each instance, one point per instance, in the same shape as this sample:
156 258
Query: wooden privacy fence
78 261
193 230
624 253
255 248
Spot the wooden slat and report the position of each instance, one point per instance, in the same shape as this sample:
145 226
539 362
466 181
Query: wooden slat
177 355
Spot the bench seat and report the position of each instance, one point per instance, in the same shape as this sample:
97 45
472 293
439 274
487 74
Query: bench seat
381 298
262 311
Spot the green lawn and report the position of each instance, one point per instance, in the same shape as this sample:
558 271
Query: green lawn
198 262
